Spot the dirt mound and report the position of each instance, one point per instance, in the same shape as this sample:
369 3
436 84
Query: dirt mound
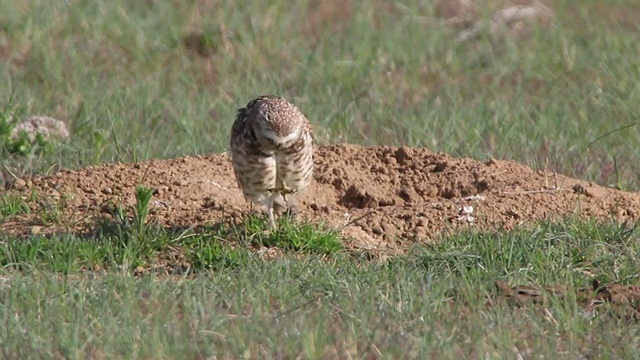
379 197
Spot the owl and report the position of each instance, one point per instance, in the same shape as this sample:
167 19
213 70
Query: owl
272 153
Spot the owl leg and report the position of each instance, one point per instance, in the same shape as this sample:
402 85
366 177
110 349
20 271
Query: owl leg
279 205
270 216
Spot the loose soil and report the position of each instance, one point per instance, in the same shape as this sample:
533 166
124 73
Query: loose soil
381 198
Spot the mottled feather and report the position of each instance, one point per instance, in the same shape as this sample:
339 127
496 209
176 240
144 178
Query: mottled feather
272 152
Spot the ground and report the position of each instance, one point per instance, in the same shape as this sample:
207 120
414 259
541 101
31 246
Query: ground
148 92
381 198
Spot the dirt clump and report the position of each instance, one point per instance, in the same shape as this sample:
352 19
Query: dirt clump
611 300
381 197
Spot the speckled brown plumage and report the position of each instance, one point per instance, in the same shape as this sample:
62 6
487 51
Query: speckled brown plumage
272 152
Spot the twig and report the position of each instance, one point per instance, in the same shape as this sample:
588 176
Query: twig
532 192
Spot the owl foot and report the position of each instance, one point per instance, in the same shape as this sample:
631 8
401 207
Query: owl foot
292 211
284 190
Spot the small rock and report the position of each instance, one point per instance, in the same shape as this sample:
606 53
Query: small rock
402 155
440 166
458 13
589 191
382 170
19 184
516 22
46 126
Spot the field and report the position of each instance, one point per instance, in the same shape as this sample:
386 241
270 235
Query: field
474 196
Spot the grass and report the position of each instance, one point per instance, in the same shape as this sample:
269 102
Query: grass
430 303
132 242
134 86
12 204
141 80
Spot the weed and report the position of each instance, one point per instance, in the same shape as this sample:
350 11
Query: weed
208 251
12 204
141 210
290 235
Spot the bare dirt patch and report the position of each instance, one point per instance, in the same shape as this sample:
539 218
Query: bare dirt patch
380 197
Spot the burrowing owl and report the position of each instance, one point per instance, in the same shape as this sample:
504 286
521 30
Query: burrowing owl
272 153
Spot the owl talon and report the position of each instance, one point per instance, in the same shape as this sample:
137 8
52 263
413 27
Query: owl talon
292 211
284 190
